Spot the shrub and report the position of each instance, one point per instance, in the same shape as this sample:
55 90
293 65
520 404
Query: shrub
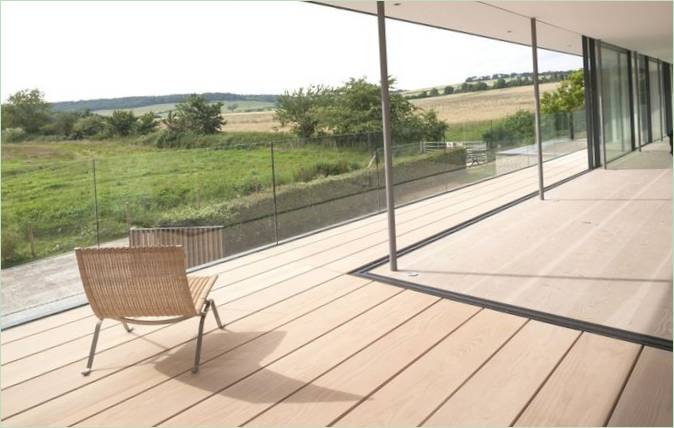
517 129
323 169
8 245
13 135
122 122
90 126
146 124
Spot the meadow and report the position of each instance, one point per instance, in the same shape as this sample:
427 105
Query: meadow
51 205
55 197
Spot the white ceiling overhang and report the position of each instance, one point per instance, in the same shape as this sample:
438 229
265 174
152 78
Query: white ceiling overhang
645 27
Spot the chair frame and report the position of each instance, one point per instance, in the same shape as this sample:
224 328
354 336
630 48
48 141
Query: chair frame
166 261
208 304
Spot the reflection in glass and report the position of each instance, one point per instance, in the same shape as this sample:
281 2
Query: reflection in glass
656 101
643 99
615 102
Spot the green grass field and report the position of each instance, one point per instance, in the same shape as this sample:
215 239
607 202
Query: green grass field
48 188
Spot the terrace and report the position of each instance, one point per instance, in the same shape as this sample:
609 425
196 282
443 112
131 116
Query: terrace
308 343
521 296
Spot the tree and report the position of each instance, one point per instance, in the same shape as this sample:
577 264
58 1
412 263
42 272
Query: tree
26 109
355 108
62 123
448 90
567 98
91 125
434 92
232 107
301 109
516 129
500 83
122 122
146 123
198 116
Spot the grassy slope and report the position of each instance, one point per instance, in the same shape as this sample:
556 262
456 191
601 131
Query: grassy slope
133 182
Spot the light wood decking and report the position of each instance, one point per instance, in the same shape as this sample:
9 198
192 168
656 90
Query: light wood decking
598 249
308 344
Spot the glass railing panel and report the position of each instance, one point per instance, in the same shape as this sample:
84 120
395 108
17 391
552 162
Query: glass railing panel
323 181
47 210
190 191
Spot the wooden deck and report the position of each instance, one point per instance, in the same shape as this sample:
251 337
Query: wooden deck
308 344
598 249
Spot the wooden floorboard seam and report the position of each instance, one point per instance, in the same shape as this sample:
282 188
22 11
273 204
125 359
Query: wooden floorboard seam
279 358
622 388
411 207
416 219
152 330
341 362
117 324
402 369
206 360
246 342
442 199
519 414
470 376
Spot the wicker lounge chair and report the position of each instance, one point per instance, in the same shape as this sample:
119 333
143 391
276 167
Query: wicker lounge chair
145 285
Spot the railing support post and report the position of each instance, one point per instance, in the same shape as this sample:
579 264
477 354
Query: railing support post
386 126
273 187
537 106
98 238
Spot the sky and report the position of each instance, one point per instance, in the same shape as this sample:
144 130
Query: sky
84 49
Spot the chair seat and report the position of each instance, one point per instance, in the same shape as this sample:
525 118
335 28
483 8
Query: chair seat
200 286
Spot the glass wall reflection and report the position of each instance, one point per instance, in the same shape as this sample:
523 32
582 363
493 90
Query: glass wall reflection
656 100
643 99
616 102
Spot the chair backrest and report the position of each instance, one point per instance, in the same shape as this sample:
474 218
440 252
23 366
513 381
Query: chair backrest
135 282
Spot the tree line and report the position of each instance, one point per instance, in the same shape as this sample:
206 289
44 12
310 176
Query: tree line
500 81
142 101
27 115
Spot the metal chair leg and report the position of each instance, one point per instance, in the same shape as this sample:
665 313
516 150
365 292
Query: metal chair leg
216 314
127 327
92 351
197 355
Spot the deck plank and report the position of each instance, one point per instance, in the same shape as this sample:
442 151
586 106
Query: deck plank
186 389
94 397
325 399
244 400
68 378
245 267
412 395
503 387
647 398
585 386
309 346
77 350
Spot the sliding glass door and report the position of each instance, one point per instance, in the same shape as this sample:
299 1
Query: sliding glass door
642 94
615 88
655 84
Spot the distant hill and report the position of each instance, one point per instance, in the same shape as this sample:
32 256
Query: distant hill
142 101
